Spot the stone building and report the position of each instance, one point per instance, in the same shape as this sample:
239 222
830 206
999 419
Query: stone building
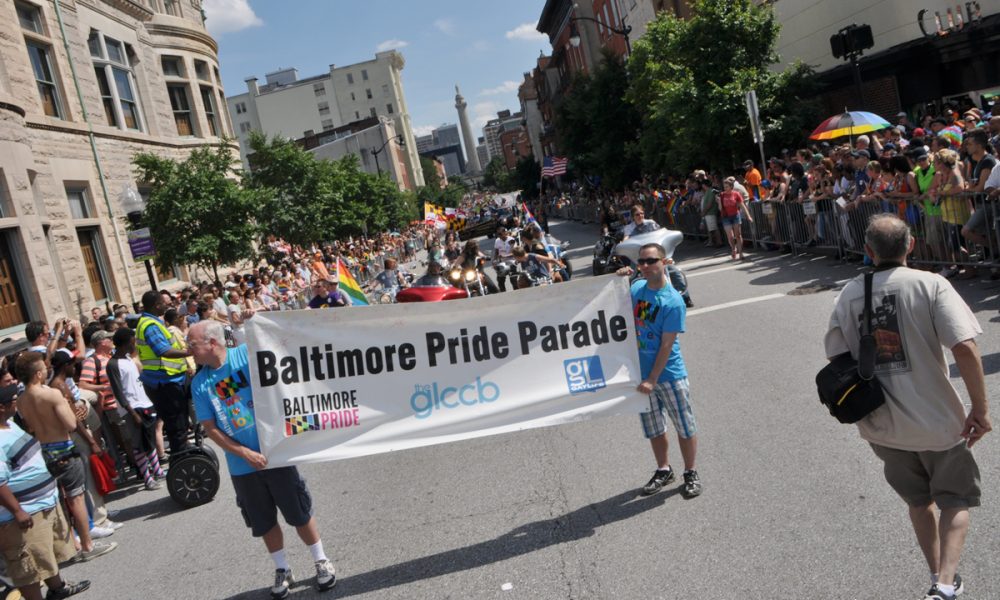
84 86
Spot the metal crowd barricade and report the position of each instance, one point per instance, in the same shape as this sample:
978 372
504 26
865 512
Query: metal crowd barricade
944 231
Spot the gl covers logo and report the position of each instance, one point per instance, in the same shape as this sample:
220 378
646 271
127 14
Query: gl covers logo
584 374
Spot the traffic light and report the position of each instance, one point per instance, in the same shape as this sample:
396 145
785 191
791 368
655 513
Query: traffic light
852 39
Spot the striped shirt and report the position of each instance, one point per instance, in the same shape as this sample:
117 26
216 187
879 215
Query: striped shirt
23 471
89 374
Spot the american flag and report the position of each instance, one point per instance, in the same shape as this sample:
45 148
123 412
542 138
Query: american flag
553 165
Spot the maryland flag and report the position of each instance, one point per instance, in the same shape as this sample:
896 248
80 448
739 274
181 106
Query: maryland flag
301 424
444 218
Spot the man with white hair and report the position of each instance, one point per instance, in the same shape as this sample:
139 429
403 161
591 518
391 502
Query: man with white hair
223 402
922 433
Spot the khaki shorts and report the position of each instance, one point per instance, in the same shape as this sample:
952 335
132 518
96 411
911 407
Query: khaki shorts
949 478
34 555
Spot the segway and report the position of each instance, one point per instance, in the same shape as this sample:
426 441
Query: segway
193 477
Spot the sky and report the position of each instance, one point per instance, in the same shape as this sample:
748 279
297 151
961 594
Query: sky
483 47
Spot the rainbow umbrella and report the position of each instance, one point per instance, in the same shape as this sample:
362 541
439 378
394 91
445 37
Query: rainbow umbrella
849 124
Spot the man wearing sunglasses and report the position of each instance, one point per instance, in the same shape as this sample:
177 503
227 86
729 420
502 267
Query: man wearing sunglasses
659 317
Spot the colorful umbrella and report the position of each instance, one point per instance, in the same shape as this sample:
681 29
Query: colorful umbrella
849 124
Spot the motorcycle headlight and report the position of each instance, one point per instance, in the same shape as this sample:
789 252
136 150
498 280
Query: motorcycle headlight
470 275
454 275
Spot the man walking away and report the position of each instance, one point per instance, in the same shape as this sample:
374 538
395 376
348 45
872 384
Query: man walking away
222 392
659 318
922 433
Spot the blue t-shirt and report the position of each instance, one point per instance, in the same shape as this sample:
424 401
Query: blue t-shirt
657 312
224 395
22 469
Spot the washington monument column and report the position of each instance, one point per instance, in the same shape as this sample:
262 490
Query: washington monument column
472 157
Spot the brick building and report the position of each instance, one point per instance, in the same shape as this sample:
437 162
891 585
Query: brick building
128 77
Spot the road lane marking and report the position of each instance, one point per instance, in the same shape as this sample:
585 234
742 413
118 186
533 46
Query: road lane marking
720 270
715 307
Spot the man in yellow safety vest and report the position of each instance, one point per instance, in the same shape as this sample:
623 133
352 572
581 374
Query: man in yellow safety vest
164 370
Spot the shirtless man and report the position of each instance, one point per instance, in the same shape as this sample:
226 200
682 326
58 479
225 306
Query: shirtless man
49 417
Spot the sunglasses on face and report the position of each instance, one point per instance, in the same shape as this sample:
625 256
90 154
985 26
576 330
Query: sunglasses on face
648 261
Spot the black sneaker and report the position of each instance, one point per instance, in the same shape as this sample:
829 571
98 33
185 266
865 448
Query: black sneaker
959 586
68 589
659 479
692 484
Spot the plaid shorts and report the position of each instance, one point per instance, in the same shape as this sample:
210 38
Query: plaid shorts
671 398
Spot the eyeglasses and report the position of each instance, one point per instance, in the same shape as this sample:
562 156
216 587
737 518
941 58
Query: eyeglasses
649 261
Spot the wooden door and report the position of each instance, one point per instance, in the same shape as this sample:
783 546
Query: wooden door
11 302
90 261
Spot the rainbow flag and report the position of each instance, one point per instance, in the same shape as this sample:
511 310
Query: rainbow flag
671 207
349 285
530 218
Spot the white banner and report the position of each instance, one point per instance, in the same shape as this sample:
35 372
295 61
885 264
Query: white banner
334 384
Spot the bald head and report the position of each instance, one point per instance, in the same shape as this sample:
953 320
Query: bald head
888 239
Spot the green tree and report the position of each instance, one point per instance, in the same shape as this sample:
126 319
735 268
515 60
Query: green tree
690 77
525 177
431 177
599 128
197 213
308 200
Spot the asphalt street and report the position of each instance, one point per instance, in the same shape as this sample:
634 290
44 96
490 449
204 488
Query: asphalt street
794 506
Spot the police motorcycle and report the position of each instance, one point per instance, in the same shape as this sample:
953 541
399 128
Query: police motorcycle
604 248
626 254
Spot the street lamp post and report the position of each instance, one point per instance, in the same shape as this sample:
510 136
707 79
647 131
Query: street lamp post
398 139
574 35
133 205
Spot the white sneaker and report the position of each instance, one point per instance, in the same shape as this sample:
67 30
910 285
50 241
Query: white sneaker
101 532
283 581
114 525
326 575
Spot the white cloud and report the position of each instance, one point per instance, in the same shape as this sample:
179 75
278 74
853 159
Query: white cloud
504 88
483 112
445 26
423 130
391 45
526 32
226 16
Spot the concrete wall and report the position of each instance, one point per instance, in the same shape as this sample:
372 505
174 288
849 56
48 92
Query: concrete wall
806 25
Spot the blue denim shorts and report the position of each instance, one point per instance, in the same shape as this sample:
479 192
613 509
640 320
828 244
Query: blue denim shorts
734 220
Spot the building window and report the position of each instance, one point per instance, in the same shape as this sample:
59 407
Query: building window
182 109
353 99
327 124
112 63
245 127
364 74
319 89
201 70
29 16
373 113
385 91
388 108
41 64
350 79
324 108
357 115
5 210
94 262
240 108
210 114
218 80
172 7
172 66
368 93
79 206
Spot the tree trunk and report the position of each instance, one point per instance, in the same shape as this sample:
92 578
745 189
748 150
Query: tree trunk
215 271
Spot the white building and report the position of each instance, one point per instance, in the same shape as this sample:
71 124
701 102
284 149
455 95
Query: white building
364 140
294 108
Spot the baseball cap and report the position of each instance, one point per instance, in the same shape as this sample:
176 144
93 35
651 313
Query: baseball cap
889 146
747 164
861 154
919 153
61 358
919 132
901 113
8 393
99 336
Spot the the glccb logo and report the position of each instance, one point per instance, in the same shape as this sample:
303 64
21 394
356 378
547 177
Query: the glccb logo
584 374
429 398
